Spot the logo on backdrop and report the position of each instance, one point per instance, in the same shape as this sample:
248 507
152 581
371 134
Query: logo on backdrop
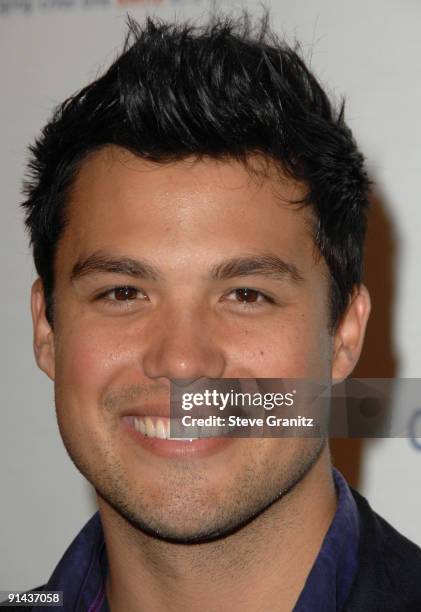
415 430
28 7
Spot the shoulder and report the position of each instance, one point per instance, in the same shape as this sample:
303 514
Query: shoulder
389 572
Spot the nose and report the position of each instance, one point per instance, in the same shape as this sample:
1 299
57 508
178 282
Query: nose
182 348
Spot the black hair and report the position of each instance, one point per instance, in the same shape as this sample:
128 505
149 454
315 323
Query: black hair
227 89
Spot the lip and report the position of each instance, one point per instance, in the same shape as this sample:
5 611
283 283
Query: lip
159 411
175 449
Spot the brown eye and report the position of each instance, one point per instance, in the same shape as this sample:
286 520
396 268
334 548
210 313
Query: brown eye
247 295
123 294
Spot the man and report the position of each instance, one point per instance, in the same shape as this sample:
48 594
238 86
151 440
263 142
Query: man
199 213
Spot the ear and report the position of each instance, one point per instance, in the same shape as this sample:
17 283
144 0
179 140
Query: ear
43 333
349 335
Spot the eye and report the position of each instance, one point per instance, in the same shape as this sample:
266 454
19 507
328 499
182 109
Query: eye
124 293
248 296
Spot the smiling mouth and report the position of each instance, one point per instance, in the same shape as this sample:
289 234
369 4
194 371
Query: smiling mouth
160 428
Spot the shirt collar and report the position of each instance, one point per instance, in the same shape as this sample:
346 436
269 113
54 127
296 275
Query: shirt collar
329 582
81 572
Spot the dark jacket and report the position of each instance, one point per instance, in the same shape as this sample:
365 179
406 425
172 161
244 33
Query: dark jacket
389 571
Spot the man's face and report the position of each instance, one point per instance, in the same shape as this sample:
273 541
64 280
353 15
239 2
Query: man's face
183 241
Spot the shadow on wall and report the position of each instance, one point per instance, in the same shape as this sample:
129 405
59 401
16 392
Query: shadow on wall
378 359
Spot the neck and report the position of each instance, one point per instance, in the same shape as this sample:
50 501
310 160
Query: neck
263 566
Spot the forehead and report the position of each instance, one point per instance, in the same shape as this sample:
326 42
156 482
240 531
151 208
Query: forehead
125 203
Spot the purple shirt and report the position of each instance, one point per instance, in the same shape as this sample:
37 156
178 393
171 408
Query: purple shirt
82 570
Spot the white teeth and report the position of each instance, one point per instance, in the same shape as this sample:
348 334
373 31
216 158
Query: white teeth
150 428
153 428
161 430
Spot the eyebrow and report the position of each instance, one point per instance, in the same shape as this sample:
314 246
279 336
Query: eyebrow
270 266
267 265
102 263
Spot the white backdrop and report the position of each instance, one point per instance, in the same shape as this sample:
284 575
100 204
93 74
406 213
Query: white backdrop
369 51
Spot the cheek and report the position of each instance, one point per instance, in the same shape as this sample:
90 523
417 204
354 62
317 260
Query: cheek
294 347
88 358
